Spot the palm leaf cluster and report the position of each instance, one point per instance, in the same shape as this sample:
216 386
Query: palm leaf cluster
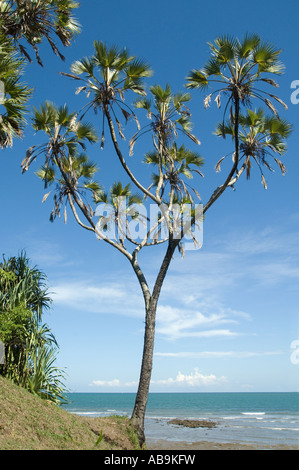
261 137
122 208
30 346
66 163
31 21
169 115
178 163
106 77
14 94
239 68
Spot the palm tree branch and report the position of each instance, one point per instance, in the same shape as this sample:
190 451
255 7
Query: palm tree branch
122 160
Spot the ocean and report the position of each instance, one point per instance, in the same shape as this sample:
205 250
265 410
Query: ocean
266 419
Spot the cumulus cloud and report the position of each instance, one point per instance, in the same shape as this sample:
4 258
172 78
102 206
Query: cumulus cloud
218 354
191 380
194 379
107 383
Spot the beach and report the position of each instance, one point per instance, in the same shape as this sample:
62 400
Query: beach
169 444
204 445
250 434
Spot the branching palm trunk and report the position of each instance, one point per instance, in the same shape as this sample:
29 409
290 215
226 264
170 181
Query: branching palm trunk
151 304
217 193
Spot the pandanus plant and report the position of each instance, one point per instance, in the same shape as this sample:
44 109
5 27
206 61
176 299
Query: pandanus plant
30 346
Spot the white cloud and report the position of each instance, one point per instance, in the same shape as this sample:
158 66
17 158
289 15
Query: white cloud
194 379
271 273
107 383
174 323
217 354
114 383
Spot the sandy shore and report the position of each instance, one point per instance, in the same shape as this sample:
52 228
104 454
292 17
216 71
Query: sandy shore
205 445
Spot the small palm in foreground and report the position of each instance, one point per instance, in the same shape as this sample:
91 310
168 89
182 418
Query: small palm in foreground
28 286
30 346
42 377
261 137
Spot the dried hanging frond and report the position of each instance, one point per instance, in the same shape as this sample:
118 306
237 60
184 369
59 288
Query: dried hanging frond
281 166
264 183
207 101
218 165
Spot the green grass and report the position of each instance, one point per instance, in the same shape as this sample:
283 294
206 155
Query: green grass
29 423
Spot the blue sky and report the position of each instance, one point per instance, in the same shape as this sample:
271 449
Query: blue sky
228 313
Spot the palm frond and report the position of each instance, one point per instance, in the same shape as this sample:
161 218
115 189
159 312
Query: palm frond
197 79
83 66
248 44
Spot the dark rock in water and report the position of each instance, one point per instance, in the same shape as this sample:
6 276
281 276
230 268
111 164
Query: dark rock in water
191 423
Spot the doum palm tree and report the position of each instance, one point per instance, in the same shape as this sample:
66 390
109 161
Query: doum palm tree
107 78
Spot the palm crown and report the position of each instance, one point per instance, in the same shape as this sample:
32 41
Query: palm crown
168 113
31 21
119 73
13 95
66 139
178 163
239 67
123 202
261 136
66 134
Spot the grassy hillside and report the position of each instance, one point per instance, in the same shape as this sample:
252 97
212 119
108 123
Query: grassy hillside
30 423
